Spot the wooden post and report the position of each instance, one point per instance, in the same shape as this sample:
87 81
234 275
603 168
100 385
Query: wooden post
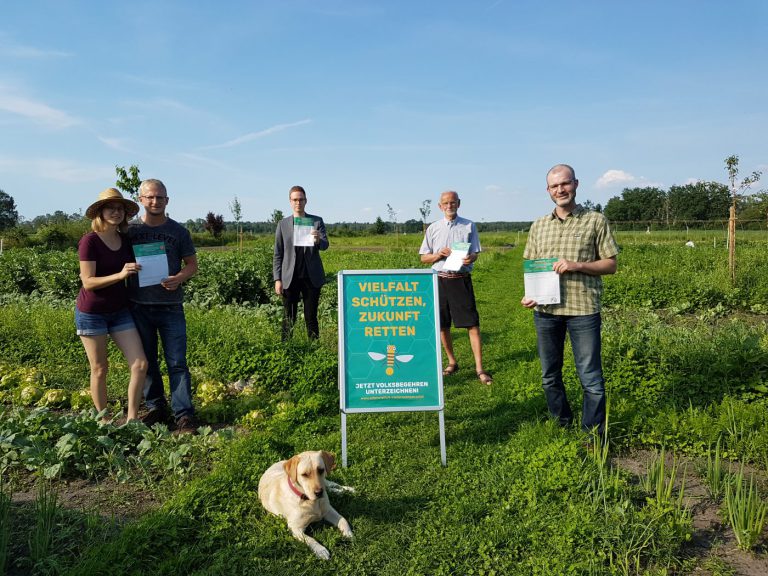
732 244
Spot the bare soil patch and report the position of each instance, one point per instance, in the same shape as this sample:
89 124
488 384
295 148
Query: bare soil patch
713 541
110 499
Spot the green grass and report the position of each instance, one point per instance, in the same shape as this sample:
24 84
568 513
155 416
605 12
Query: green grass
519 495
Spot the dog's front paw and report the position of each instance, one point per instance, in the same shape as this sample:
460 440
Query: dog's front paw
345 529
321 552
339 488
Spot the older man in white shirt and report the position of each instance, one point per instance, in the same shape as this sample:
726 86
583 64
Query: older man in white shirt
457 296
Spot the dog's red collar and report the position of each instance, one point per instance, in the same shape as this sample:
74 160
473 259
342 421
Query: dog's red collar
296 490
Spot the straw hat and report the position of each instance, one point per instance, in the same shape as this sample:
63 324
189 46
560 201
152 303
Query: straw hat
112 195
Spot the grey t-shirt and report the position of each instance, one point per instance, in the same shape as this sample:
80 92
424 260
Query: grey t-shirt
178 245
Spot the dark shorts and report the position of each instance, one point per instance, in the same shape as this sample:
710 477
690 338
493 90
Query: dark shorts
88 324
457 302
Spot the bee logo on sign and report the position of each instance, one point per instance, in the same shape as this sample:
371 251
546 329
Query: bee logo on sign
391 358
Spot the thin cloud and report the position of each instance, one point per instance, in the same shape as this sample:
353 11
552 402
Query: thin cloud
256 135
65 171
161 104
36 111
196 160
165 83
115 144
57 170
24 52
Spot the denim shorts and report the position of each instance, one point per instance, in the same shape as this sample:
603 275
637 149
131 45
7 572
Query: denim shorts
100 324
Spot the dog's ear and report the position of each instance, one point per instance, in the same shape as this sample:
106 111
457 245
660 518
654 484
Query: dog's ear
291 468
329 460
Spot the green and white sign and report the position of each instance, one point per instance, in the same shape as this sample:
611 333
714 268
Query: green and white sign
389 344
389 341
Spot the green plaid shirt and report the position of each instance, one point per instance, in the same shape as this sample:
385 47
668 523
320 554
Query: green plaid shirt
584 236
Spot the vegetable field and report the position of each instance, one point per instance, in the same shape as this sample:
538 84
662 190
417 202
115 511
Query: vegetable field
680 487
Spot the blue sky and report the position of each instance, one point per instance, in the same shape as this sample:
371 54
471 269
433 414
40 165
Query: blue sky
373 103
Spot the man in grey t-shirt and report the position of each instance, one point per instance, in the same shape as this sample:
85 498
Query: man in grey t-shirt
158 309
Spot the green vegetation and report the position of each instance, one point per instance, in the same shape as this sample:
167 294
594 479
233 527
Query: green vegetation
746 510
685 355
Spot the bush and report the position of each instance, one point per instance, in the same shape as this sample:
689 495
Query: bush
223 277
28 271
231 278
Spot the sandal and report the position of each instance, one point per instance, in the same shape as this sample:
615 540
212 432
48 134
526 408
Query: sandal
485 378
450 369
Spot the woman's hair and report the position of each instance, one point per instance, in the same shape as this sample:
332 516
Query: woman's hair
98 224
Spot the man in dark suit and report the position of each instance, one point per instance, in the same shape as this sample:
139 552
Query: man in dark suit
296 265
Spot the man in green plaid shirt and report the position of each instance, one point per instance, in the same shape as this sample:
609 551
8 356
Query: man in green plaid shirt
584 245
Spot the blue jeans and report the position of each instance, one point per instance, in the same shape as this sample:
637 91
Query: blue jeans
169 323
584 332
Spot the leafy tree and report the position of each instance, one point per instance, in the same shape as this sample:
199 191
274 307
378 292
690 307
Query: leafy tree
59 217
426 208
698 201
277 215
214 224
736 191
16 236
128 181
237 214
55 237
392 217
589 205
196 225
413 226
636 204
237 211
9 217
379 227
615 210
755 207
738 188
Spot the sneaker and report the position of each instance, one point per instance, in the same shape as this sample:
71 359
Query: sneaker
155 416
186 425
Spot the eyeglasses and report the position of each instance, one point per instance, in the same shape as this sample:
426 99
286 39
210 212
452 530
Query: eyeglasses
298 199
155 198
560 185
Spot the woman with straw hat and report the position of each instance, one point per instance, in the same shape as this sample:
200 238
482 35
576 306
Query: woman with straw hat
102 309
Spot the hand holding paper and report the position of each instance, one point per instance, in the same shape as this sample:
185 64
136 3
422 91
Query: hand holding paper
455 261
542 283
153 263
304 232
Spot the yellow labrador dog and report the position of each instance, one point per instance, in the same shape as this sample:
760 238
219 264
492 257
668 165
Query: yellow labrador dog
297 490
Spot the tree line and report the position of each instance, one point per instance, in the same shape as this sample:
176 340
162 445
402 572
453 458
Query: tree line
698 201
681 204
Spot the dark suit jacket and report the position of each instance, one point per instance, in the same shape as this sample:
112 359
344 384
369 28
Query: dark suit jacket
285 256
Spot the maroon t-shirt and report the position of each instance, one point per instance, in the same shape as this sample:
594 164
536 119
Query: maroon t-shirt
112 298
